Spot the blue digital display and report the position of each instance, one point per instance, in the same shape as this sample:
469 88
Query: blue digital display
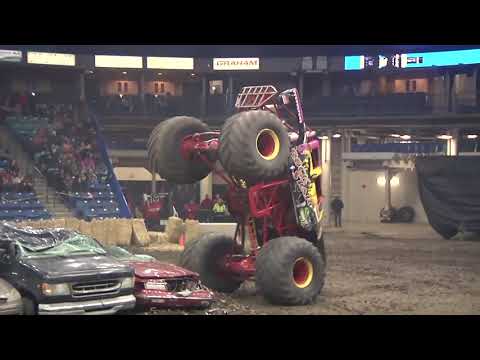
442 58
415 60
354 63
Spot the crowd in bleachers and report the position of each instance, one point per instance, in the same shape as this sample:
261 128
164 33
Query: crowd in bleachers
65 150
10 178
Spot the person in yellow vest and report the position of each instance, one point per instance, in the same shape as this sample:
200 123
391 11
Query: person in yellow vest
219 208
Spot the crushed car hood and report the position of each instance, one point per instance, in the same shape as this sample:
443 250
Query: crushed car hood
58 266
158 270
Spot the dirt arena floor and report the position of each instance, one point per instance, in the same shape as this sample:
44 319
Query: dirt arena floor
377 269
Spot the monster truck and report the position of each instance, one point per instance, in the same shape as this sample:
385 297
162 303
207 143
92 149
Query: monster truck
271 162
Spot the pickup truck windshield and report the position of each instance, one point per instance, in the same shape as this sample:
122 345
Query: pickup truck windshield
122 254
75 245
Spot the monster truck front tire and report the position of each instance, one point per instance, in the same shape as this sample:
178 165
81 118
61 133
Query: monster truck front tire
165 150
290 271
254 146
204 256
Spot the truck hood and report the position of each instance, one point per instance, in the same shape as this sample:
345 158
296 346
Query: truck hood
158 270
53 267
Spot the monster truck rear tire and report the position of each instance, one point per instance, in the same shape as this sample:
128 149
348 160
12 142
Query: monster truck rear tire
204 256
254 146
290 271
166 153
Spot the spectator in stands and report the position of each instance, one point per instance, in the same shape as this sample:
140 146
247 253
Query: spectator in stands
14 168
207 203
67 185
220 208
16 181
337 207
27 184
191 210
88 163
92 179
217 199
84 182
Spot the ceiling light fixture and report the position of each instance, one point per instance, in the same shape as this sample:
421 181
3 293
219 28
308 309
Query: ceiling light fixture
472 136
444 137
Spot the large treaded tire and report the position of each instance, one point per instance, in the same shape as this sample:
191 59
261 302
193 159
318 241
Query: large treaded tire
165 150
275 271
203 256
239 151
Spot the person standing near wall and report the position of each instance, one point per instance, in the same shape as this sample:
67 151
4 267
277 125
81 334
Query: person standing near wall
337 207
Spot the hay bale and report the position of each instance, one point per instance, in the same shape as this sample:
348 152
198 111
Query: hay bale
140 233
112 232
85 228
123 231
192 230
174 229
99 231
158 237
58 223
165 247
72 224
153 236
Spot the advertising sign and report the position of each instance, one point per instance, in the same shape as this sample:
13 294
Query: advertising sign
10 55
43 58
414 60
236 64
122 62
169 63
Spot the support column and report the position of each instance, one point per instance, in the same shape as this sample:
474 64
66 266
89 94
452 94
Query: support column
301 78
206 187
141 92
345 173
326 87
81 83
448 91
326 177
388 189
203 105
452 144
476 81
230 94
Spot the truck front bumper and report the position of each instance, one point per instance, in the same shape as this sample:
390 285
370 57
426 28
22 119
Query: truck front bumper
92 307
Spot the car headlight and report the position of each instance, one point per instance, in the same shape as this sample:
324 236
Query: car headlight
55 289
128 283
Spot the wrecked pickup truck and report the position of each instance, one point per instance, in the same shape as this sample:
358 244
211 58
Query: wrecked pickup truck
59 271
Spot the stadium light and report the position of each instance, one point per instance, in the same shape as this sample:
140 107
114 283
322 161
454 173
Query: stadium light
444 137
472 136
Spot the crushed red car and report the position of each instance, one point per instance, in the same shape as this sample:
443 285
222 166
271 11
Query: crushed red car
164 285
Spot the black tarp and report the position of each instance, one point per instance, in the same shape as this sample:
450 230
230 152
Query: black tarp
34 239
450 192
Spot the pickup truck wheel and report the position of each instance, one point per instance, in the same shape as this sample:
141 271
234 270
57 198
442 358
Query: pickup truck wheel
29 306
254 146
